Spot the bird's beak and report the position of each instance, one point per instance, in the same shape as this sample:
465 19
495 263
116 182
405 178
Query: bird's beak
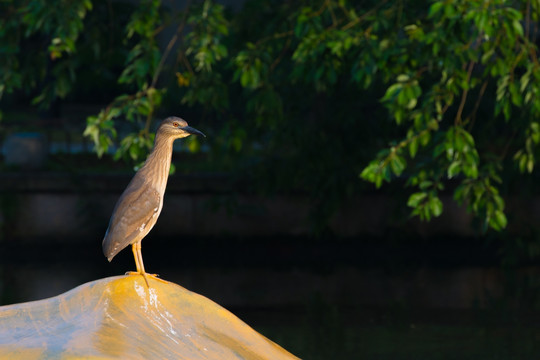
192 131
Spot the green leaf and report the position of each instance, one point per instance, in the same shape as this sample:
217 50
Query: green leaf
245 79
193 144
369 172
237 143
530 163
436 206
398 164
403 78
416 198
392 91
516 97
435 8
449 9
412 103
172 169
425 184
516 24
500 220
487 56
413 147
376 173
522 161
454 169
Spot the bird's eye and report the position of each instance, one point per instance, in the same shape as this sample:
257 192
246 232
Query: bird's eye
175 124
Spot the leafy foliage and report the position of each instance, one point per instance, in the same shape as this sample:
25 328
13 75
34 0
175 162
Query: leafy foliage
57 31
443 96
460 47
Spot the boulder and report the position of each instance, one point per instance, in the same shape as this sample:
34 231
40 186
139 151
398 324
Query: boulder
121 318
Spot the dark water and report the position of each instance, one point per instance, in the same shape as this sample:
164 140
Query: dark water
320 298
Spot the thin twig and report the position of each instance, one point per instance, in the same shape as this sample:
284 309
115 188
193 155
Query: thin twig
464 95
534 57
162 63
182 57
516 62
170 45
159 29
334 19
507 146
394 149
281 54
320 11
533 52
421 70
163 58
274 36
360 18
472 115
527 19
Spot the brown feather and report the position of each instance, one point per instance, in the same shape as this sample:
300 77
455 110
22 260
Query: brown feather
135 214
138 208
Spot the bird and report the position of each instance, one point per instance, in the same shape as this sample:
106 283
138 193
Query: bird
139 206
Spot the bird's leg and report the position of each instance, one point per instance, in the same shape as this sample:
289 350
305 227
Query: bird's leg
141 264
140 268
137 254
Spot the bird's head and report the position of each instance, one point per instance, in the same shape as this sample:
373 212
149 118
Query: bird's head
178 128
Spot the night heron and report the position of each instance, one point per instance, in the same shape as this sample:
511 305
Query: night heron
138 208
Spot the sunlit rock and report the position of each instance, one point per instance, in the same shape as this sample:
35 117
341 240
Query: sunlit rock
120 318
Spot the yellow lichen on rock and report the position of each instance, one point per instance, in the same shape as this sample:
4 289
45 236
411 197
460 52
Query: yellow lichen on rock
120 318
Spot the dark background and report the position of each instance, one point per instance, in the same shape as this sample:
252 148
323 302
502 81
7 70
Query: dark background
377 284
288 238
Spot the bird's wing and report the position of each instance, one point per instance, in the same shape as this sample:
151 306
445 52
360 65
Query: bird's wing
133 217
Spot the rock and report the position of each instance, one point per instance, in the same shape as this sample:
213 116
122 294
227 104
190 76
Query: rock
120 318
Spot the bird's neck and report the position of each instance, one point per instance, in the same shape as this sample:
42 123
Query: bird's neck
158 163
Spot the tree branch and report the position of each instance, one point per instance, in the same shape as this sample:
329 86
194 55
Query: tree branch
457 120
360 18
170 45
281 54
472 115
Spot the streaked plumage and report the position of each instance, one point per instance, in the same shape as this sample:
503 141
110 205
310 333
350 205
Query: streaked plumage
139 206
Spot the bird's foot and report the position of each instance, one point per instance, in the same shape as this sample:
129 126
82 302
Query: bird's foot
144 274
138 273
